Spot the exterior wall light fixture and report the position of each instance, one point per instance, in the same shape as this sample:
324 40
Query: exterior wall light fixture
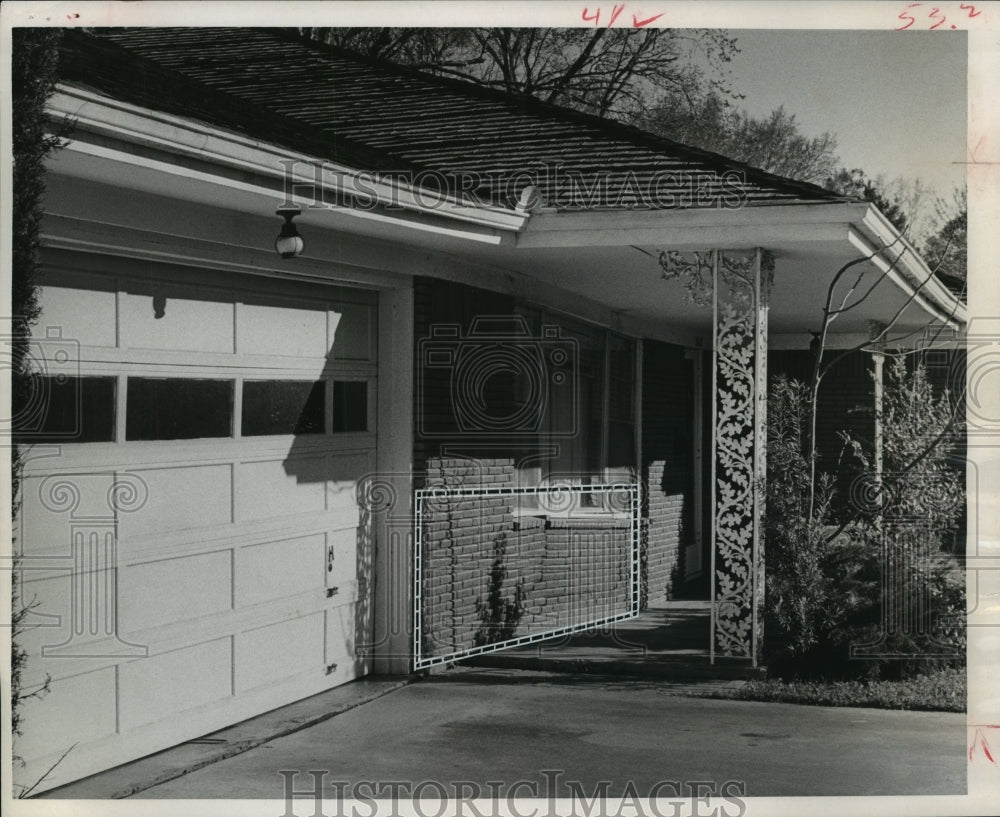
289 243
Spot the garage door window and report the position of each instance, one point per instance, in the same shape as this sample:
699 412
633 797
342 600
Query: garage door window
283 407
350 405
66 409
178 408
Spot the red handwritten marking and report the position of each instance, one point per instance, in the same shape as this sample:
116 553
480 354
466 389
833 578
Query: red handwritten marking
616 11
934 15
640 23
980 740
904 16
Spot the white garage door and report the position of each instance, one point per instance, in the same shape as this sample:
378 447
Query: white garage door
189 524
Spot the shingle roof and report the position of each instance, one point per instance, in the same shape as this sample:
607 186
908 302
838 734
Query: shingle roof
275 86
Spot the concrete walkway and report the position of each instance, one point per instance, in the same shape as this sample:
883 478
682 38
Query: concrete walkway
142 774
529 734
668 641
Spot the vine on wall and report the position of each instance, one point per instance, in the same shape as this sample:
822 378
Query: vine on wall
34 68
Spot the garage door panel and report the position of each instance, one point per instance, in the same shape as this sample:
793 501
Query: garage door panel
280 487
220 543
78 709
50 625
159 686
345 470
351 330
274 570
155 594
343 545
342 636
168 316
54 506
180 498
83 307
263 328
268 654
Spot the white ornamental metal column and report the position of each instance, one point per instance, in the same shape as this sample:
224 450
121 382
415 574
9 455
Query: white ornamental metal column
741 281
736 285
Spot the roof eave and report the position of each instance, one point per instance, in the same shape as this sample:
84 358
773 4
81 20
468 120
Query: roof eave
308 181
698 227
891 253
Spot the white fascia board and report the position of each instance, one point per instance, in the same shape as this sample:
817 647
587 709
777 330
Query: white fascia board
876 236
184 138
714 228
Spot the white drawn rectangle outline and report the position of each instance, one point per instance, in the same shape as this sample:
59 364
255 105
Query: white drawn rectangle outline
421 494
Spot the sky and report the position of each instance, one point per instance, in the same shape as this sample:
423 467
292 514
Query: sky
896 102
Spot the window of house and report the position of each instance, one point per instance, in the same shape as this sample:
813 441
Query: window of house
588 429
621 446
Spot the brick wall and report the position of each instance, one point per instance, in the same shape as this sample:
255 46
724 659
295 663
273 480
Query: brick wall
570 570
665 535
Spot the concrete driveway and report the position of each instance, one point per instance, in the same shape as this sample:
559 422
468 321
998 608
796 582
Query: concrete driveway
499 734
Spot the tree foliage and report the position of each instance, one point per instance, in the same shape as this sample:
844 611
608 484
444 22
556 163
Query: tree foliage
605 71
946 250
774 143
859 184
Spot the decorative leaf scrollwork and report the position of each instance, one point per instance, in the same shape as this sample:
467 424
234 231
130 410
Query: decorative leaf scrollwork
740 341
694 270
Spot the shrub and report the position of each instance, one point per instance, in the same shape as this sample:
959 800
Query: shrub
499 616
876 596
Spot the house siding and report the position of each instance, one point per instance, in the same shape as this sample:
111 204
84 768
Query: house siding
846 404
438 303
667 467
